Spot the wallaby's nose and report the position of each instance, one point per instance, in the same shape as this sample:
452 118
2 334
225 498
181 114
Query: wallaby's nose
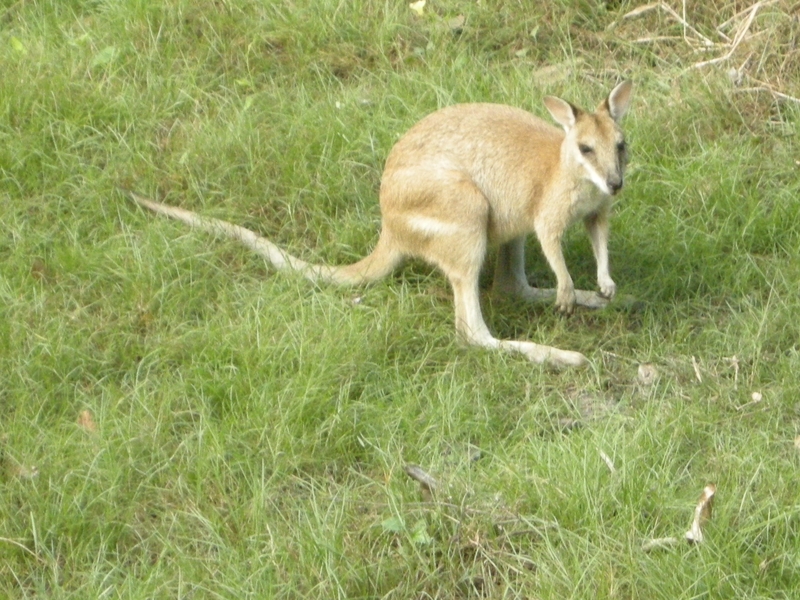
614 185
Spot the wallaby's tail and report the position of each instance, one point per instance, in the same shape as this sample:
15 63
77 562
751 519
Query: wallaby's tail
382 261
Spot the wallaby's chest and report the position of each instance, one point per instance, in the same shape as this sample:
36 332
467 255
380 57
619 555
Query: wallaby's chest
587 200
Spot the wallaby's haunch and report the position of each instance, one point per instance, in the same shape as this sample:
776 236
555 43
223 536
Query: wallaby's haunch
471 175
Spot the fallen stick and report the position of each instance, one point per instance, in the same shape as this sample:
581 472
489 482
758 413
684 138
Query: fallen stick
417 474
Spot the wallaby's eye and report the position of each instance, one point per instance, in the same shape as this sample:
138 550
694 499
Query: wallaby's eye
621 147
585 149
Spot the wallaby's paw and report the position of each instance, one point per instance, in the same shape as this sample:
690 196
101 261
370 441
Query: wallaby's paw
565 301
607 288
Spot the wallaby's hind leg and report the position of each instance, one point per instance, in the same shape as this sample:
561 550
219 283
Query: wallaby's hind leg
509 272
472 328
510 278
459 249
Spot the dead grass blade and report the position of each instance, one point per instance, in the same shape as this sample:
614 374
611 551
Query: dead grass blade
741 33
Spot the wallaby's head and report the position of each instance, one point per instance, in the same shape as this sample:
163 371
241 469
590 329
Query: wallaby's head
594 141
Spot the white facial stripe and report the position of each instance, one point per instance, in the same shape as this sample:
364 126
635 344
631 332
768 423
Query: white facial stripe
594 176
430 226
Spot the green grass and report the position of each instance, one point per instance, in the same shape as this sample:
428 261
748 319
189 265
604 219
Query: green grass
252 429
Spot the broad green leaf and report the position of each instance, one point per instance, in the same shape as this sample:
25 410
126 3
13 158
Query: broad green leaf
419 535
18 46
105 56
394 524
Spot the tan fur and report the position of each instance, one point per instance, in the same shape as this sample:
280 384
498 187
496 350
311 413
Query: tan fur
472 175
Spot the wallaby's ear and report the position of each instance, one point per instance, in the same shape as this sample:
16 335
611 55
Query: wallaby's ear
619 100
563 112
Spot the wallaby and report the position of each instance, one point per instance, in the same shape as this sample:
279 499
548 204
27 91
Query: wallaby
472 175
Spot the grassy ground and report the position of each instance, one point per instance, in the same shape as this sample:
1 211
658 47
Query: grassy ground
178 421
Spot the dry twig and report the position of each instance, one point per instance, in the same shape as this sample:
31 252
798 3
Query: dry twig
771 90
697 370
742 13
664 7
657 38
734 360
416 473
736 31
657 543
737 39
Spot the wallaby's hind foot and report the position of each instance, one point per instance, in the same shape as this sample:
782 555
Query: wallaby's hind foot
472 328
585 298
541 354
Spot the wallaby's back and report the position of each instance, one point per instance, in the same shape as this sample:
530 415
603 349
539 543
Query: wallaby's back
509 154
